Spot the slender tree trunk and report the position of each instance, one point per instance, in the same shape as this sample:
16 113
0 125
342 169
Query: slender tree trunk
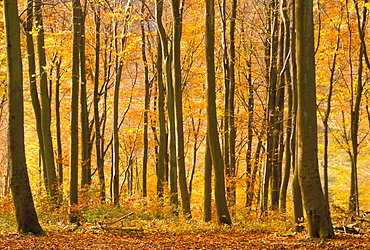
19 182
45 103
177 30
249 159
60 159
162 125
269 181
231 172
298 218
288 84
207 205
355 113
196 130
116 157
117 83
84 115
33 87
354 205
223 215
99 154
146 103
170 102
326 118
73 188
271 173
226 79
228 65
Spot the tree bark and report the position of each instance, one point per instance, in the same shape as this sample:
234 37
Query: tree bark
116 156
45 103
25 212
99 145
272 172
298 218
170 102
354 205
207 202
84 114
288 85
177 30
223 215
316 206
146 103
325 119
231 115
60 159
28 24
162 125
73 188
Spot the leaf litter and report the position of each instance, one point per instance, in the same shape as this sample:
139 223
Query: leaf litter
231 240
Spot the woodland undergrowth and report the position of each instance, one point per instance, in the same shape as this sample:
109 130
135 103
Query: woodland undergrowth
147 214
158 216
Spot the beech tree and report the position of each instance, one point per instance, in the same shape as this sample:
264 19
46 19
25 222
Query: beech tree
177 9
166 55
98 120
73 188
315 203
223 215
19 182
28 25
45 105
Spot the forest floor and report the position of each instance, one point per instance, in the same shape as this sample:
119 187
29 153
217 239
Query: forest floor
139 224
142 240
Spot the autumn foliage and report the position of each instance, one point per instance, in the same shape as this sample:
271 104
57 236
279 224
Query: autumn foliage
132 174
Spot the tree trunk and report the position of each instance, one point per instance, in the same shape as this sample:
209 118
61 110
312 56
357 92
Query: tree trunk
207 205
33 87
325 119
162 126
19 182
316 206
84 115
196 146
45 103
146 104
354 205
271 172
177 30
288 84
73 188
99 152
58 128
170 102
226 80
231 170
223 215
249 159
298 218
116 157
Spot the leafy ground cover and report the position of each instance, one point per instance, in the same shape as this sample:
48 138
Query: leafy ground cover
249 240
148 224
